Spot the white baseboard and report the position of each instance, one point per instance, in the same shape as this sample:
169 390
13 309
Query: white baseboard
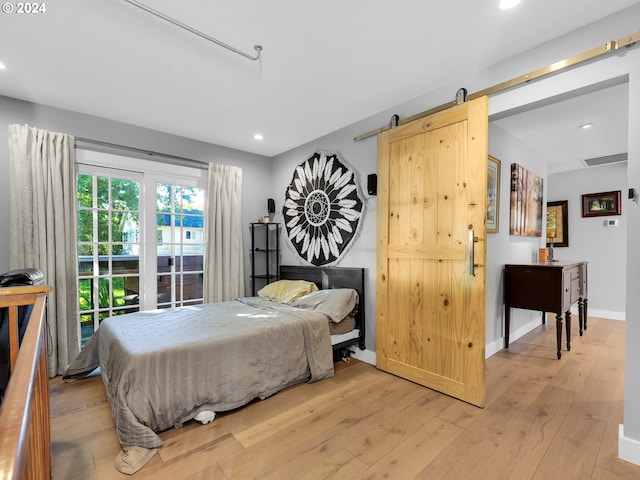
628 448
497 345
365 356
494 347
611 315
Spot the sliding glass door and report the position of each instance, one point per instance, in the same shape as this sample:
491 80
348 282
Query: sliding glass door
109 244
140 238
180 245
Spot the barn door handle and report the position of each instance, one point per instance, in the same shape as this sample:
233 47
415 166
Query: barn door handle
470 250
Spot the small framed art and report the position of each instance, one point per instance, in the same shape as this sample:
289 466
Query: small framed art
601 204
493 195
558 223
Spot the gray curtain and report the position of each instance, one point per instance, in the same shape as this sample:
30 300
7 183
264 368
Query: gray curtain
43 229
224 254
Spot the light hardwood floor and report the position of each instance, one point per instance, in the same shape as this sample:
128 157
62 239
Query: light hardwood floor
544 419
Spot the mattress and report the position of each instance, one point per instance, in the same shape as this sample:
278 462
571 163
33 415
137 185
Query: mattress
161 368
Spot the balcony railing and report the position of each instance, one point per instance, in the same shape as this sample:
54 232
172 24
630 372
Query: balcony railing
124 296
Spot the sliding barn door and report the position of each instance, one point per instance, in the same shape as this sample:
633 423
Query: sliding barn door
432 194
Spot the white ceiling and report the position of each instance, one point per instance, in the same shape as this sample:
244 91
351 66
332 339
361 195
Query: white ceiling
553 130
325 64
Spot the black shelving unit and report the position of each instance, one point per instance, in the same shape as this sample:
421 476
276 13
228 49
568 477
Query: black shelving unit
265 254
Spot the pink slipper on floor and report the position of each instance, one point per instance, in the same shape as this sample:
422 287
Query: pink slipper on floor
132 458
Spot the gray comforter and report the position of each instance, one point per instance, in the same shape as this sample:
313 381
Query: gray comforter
161 368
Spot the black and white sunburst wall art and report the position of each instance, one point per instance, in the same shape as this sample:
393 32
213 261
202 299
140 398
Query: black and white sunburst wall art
322 209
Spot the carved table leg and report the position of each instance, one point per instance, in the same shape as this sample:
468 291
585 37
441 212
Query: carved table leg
581 314
585 313
567 317
559 333
507 325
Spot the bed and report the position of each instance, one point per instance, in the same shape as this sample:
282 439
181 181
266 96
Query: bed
336 277
162 368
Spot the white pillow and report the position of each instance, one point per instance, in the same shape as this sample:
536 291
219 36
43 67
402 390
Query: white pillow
336 303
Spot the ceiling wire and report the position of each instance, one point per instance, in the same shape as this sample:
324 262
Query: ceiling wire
258 48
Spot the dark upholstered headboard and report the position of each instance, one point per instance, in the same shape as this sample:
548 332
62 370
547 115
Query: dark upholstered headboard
332 277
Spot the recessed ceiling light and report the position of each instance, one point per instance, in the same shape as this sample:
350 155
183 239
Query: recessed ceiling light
586 125
258 136
506 4
2 66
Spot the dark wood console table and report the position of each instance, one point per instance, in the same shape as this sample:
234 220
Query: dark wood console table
547 287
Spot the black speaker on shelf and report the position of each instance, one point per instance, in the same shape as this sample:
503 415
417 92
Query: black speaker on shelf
372 184
271 206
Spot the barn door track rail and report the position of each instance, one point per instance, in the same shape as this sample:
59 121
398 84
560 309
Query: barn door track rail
609 47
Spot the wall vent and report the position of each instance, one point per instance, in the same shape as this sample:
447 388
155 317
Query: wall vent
596 162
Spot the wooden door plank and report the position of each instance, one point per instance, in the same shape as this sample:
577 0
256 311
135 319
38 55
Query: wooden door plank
433 122
383 327
431 327
429 252
416 327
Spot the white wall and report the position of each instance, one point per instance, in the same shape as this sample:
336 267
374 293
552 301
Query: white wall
607 265
605 248
629 445
362 155
255 168
503 248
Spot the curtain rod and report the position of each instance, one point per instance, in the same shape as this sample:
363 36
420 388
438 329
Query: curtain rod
612 46
184 161
257 48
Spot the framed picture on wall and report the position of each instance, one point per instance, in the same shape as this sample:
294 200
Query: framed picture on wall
601 204
526 202
493 195
558 223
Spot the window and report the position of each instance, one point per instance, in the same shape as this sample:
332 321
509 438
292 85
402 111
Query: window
180 257
108 247
133 251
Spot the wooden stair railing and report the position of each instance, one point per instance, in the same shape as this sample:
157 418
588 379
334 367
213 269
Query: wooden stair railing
25 425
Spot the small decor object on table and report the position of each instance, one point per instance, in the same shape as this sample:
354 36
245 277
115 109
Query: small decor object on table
543 255
550 236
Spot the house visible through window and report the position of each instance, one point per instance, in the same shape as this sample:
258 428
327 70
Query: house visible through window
180 262
140 237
